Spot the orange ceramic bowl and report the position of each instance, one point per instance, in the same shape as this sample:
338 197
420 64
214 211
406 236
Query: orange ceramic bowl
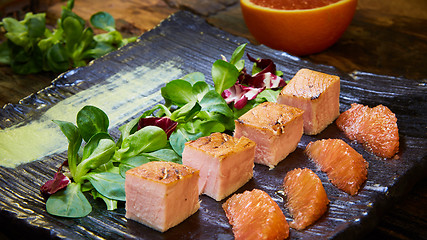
299 32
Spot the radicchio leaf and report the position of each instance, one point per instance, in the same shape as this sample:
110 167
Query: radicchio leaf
240 95
165 123
59 181
265 78
267 65
248 87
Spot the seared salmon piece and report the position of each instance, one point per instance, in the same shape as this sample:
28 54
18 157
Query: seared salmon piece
375 128
161 195
255 215
275 128
226 163
317 94
306 198
345 167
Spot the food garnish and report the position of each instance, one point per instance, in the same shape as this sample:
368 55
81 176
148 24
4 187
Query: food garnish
164 123
59 181
32 47
239 95
247 87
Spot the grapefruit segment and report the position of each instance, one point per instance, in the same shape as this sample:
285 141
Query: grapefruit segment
255 215
306 198
375 128
345 167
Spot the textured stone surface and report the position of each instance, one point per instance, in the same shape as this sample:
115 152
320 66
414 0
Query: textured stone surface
385 37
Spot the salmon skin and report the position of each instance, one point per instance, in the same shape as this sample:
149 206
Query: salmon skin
255 215
345 167
161 195
275 128
225 162
375 128
306 198
317 94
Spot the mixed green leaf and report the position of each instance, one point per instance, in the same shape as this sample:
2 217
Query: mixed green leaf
97 165
192 109
32 47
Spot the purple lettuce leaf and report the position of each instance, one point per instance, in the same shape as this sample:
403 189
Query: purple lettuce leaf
265 78
240 94
165 123
59 182
249 86
267 65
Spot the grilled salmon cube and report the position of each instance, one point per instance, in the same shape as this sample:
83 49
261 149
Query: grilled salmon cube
317 94
375 128
345 167
255 215
161 195
225 163
275 128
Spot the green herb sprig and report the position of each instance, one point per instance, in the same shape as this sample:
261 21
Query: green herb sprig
31 47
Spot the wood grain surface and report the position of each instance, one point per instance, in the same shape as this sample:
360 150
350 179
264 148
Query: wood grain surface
387 37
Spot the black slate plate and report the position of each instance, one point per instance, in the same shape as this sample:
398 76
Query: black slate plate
194 46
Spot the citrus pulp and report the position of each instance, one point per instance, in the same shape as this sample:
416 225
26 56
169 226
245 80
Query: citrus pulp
313 27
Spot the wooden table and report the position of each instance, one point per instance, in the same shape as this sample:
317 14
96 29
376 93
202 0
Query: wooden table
386 37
